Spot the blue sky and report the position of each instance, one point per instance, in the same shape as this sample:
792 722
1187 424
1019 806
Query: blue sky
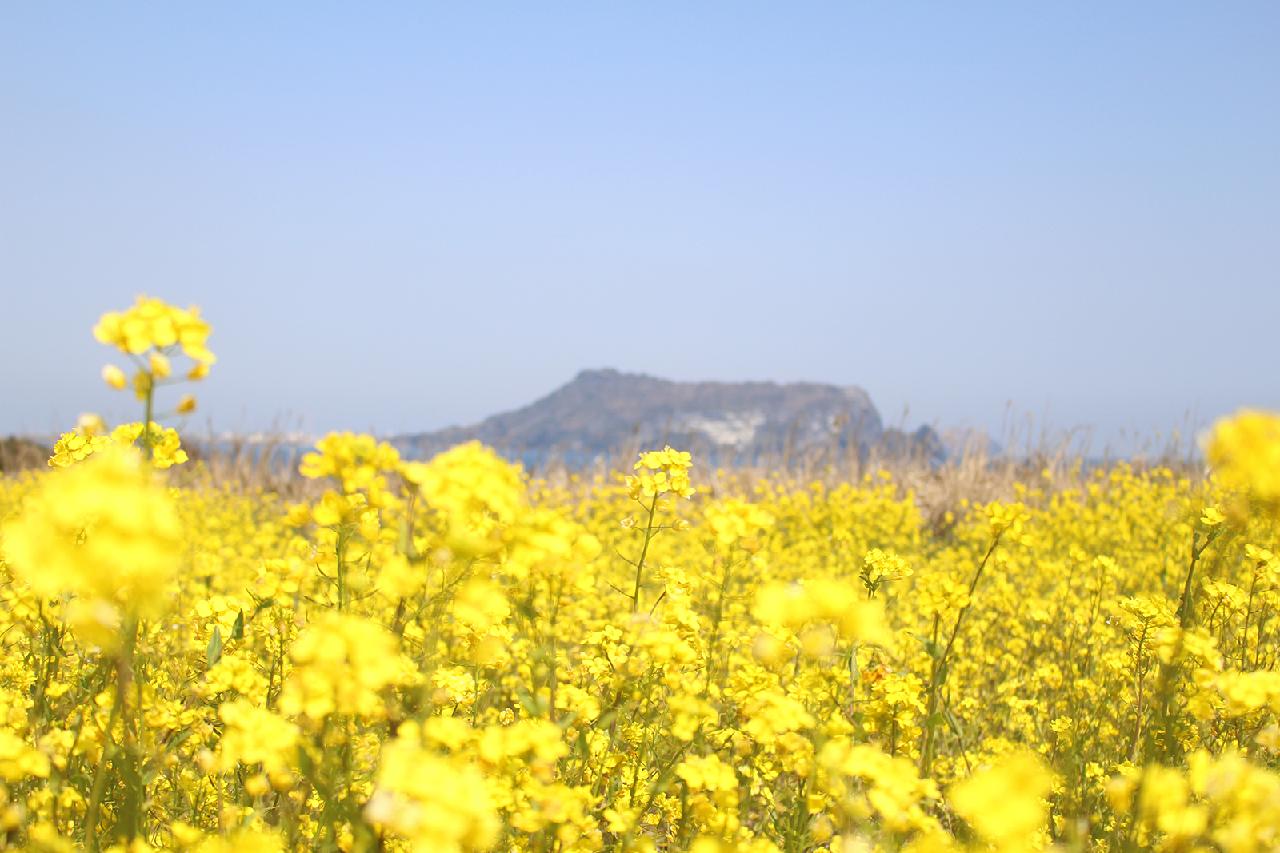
401 216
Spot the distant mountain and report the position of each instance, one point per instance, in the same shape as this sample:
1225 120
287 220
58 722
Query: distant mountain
606 412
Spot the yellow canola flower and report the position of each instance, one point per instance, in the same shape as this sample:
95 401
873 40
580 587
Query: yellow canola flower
1248 692
90 424
662 472
18 760
707 773
863 779
154 324
104 531
114 377
665 459
1219 802
435 803
1005 803
1244 453
476 491
879 566
342 664
827 601
257 840
470 480
503 667
166 445
253 736
735 521
357 461
1005 518
1212 516
76 446
159 365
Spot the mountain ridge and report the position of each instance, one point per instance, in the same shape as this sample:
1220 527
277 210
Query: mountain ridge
603 412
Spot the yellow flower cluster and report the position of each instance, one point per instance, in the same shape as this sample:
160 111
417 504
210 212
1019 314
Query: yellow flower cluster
434 802
79 445
662 472
798 606
1244 453
450 655
358 462
151 332
738 522
1217 802
152 324
103 538
879 566
473 489
255 736
342 664
1006 804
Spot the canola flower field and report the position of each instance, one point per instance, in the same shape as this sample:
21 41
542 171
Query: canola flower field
448 655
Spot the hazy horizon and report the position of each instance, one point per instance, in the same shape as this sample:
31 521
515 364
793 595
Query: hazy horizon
399 218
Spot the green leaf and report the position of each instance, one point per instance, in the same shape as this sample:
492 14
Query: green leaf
531 705
129 814
931 648
308 768
214 653
237 630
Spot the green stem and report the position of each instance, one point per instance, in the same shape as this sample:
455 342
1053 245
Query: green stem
644 552
555 648
123 673
341 554
938 674
100 782
148 411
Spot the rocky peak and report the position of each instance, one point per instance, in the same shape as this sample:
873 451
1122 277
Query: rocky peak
604 411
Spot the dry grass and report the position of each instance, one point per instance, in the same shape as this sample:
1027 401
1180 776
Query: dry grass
940 489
